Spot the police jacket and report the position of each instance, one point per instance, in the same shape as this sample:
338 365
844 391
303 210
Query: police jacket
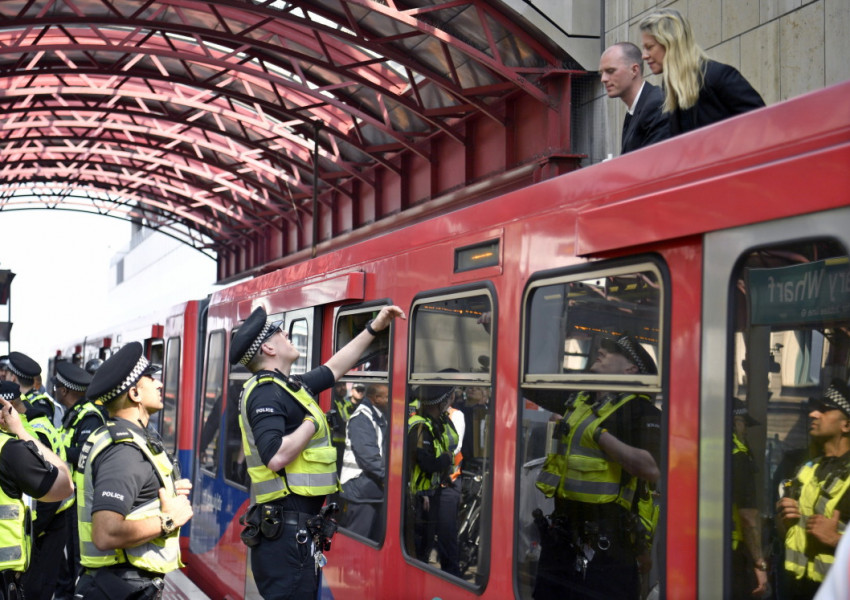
580 470
15 524
160 555
805 557
434 457
364 463
311 473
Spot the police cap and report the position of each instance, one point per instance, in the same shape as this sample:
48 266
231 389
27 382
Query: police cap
836 397
23 366
119 373
632 350
247 341
739 409
9 391
437 394
71 376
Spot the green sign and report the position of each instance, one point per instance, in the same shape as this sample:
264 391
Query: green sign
805 293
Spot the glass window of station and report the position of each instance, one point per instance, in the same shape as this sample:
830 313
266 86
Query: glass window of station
789 413
359 418
448 448
587 524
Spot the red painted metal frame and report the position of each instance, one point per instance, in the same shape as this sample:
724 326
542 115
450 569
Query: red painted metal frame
197 117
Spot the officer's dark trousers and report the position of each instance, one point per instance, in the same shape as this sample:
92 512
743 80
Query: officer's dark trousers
11 582
610 575
69 569
119 582
284 568
47 553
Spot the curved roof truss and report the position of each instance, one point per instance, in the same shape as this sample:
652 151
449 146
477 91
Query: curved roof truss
209 120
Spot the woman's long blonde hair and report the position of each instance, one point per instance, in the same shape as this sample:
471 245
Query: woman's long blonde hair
683 58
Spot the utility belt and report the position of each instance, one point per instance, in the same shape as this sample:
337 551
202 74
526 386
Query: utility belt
602 528
120 582
269 520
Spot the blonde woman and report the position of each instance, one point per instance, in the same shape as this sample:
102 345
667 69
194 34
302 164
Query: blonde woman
697 90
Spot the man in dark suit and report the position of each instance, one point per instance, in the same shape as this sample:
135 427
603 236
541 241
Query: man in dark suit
621 70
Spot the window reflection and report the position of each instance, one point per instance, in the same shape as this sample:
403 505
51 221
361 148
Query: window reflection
448 444
587 514
211 414
791 352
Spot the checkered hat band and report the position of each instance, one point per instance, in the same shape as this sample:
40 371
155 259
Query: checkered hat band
9 396
128 381
838 399
76 387
627 347
255 345
17 372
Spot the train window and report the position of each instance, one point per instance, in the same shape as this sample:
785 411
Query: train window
170 393
448 448
299 336
591 383
363 472
375 360
208 451
790 364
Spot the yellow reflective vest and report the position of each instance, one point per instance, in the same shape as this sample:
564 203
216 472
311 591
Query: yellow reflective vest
738 447
15 528
816 498
311 473
160 555
420 480
580 470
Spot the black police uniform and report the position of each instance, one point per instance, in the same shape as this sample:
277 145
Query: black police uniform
123 477
23 470
285 568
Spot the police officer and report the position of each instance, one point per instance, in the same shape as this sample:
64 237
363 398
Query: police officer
49 564
608 445
49 531
281 424
23 370
81 418
813 516
26 467
749 568
432 439
131 504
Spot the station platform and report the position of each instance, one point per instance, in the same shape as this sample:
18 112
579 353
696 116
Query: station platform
180 587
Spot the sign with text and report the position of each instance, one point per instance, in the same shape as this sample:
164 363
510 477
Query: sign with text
805 293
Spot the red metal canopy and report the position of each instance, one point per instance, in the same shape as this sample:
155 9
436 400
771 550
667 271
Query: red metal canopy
209 121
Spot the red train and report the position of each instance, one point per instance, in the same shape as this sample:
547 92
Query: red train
723 251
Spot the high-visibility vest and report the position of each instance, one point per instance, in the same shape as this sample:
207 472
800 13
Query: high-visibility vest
161 554
350 469
33 397
66 436
738 447
420 480
77 413
311 473
15 523
816 498
580 470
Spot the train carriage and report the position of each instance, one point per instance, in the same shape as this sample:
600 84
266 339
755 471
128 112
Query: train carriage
723 252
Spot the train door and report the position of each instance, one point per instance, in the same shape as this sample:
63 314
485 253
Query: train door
776 305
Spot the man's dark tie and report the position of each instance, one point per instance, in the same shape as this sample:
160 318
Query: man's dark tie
625 129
